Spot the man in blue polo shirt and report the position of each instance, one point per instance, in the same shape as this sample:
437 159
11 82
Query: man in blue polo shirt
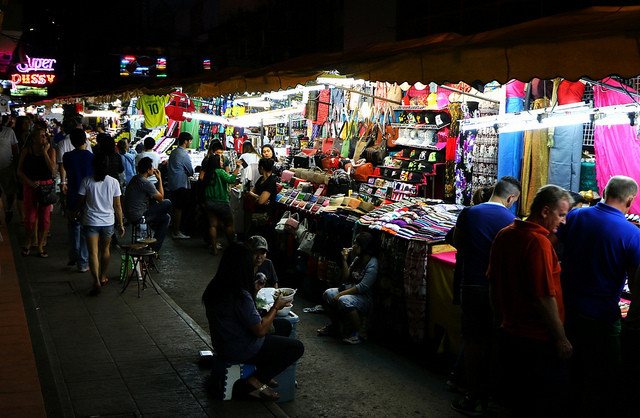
601 249
473 237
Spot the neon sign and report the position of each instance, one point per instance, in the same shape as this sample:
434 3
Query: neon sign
33 79
36 64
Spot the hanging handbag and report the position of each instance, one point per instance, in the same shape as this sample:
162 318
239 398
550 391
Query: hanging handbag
306 244
291 224
301 230
46 194
280 225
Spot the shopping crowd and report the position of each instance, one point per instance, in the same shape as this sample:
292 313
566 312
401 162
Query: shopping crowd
105 185
542 328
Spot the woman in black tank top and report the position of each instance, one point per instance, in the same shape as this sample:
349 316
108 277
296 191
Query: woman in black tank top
36 167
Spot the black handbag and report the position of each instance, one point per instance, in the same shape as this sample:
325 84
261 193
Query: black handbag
46 194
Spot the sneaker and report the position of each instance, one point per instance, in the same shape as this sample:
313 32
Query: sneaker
83 270
180 235
468 406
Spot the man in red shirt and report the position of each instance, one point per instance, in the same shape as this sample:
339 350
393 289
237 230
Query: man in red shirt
524 276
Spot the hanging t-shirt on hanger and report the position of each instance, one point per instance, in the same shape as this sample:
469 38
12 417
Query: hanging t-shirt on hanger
153 109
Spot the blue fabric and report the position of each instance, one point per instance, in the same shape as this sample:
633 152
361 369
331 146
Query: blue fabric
599 246
565 157
511 147
481 224
77 164
233 319
179 169
129 163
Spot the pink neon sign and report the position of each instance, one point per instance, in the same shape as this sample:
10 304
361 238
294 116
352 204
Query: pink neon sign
36 64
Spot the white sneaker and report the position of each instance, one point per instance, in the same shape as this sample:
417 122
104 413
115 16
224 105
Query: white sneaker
180 235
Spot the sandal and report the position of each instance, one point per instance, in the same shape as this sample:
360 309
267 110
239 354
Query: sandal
273 384
264 393
325 331
26 251
353 339
43 254
104 282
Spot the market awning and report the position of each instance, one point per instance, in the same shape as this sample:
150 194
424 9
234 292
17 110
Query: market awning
594 42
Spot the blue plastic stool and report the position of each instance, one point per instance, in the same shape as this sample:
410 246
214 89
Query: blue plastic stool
227 374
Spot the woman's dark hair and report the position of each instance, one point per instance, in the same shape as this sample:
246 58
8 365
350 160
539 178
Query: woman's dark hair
215 145
235 274
266 164
100 166
215 162
106 144
366 242
247 148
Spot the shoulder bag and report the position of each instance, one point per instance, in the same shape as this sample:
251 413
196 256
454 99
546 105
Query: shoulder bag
46 194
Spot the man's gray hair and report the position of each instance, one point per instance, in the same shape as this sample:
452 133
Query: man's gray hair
549 195
620 188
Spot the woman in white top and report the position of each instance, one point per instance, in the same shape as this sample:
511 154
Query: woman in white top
99 197
250 159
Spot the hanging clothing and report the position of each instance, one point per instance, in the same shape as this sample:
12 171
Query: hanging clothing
535 161
566 152
616 146
153 109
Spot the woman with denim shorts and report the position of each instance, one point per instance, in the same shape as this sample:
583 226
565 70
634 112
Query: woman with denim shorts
99 206
216 197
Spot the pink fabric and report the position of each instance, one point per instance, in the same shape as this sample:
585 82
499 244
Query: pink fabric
32 210
447 258
515 88
616 146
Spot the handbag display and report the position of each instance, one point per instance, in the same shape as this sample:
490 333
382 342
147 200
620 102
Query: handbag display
46 194
302 229
280 225
291 223
362 171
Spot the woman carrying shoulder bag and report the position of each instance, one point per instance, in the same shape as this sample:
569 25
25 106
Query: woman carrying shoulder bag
36 168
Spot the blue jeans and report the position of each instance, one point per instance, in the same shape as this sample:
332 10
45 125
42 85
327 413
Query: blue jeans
157 216
78 244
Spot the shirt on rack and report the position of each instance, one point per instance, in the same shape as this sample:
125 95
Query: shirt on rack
153 109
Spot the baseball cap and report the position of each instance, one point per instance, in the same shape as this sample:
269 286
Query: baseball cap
257 242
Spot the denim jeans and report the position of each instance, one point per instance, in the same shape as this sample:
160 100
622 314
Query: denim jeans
78 244
157 216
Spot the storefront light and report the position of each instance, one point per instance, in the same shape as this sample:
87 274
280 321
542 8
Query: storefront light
206 117
100 114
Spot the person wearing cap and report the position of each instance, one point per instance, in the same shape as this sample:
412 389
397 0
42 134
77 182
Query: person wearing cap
262 266
353 298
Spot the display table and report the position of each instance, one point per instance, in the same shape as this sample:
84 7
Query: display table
441 311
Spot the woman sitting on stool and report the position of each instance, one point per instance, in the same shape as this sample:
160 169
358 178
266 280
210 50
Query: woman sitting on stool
353 298
238 333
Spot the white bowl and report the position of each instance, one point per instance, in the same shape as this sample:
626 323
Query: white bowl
284 311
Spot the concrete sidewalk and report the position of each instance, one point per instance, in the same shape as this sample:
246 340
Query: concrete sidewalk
112 354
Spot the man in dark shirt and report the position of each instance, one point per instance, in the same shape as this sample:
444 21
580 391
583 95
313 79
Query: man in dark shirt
77 165
137 196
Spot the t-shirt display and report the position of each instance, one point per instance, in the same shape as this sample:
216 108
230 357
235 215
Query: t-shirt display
153 109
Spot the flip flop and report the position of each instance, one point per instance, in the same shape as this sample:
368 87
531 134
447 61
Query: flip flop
43 254
25 251
273 384
326 331
353 339
104 282
264 394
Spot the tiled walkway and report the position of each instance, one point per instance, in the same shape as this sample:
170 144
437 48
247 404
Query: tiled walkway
110 355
